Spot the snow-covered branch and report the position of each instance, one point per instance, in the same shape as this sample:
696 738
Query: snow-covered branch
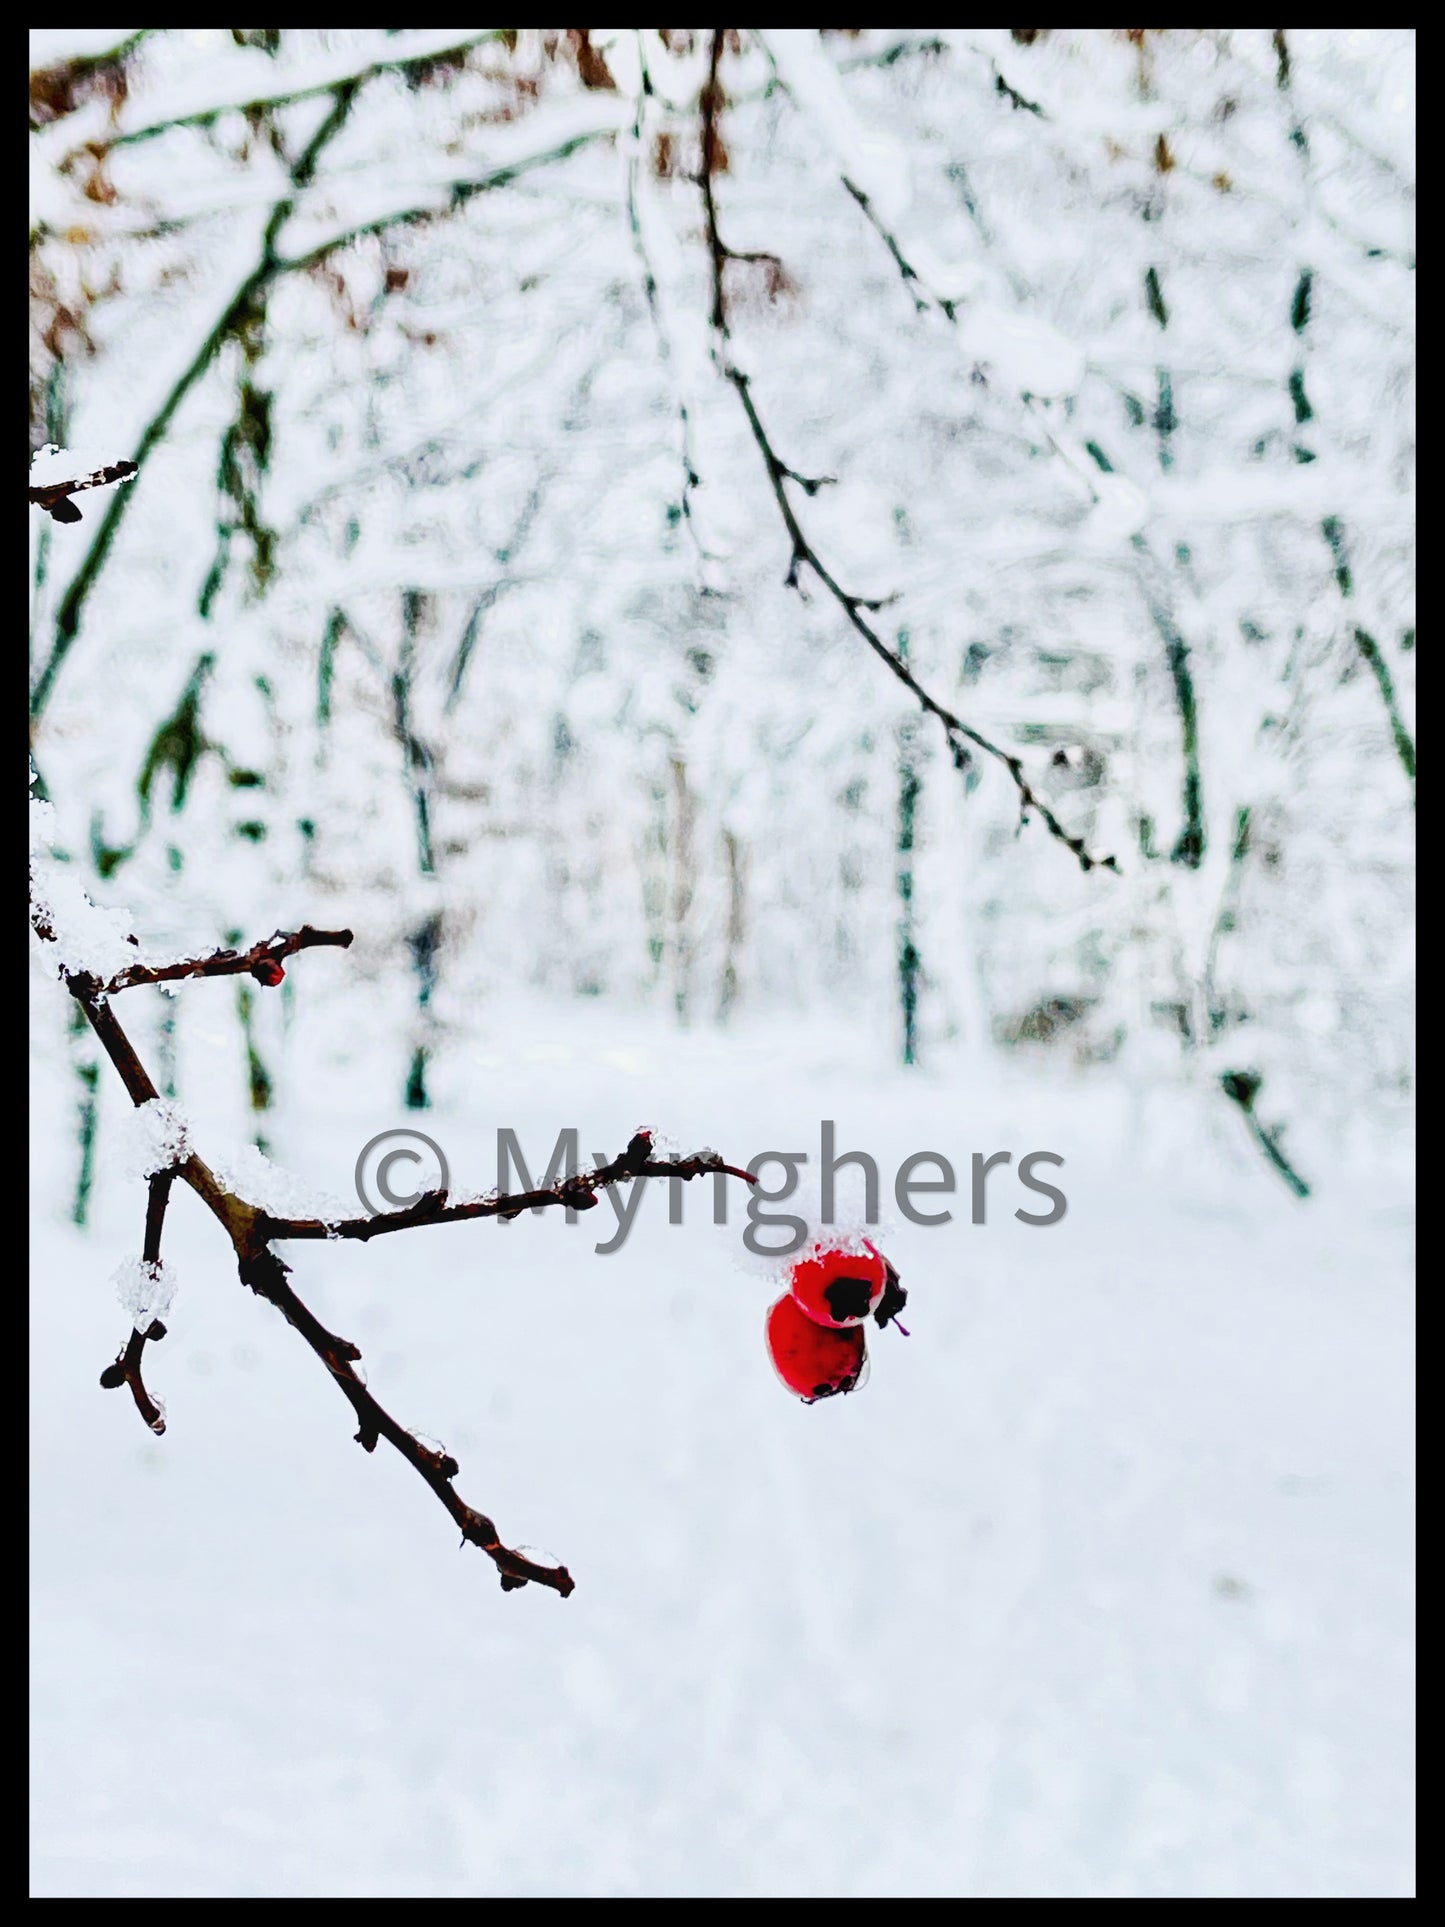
252 1230
54 496
958 734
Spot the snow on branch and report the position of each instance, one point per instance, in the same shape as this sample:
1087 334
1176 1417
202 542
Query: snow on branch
575 1193
252 1230
126 1369
303 79
551 134
961 737
262 961
53 495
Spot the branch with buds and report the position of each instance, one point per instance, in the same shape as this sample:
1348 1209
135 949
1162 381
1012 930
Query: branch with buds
252 1231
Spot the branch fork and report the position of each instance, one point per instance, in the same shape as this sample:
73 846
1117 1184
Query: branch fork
252 1232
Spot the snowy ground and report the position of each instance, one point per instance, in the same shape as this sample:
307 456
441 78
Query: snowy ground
1101 1585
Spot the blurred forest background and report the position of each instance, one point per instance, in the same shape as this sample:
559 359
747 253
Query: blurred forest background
451 597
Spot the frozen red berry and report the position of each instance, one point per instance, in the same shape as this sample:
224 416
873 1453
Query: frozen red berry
813 1360
840 1287
267 972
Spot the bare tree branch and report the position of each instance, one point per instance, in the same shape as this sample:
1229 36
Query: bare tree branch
230 963
1242 1088
457 193
251 1230
53 497
126 1369
959 735
409 62
665 351
576 1193
1189 846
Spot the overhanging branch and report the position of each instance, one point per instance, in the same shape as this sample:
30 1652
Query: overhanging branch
961 737
251 1231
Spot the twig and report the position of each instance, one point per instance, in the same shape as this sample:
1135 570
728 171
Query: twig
269 102
1016 100
665 353
267 1276
1380 669
1242 1087
53 497
575 1193
711 103
126 1369
458 193
1189 847
228 963
251 1230
958 734
1226 919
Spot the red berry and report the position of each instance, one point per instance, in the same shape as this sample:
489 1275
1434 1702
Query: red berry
267 972
812 1360
840 1287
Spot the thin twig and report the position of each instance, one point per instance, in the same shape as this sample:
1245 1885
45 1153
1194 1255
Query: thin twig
1242 1088
691 480
575 1193
959 735
54 497
229 963
1380 670
1189 846
126 1369
268 103
458 193
267 1276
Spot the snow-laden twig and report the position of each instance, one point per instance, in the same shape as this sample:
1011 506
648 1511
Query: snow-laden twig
1051 365
54 497
958 734
541 139
229 963
575 1193
407 53
667 349
252 1230
126 1369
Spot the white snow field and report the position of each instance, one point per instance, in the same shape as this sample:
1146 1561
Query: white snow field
1100 1586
